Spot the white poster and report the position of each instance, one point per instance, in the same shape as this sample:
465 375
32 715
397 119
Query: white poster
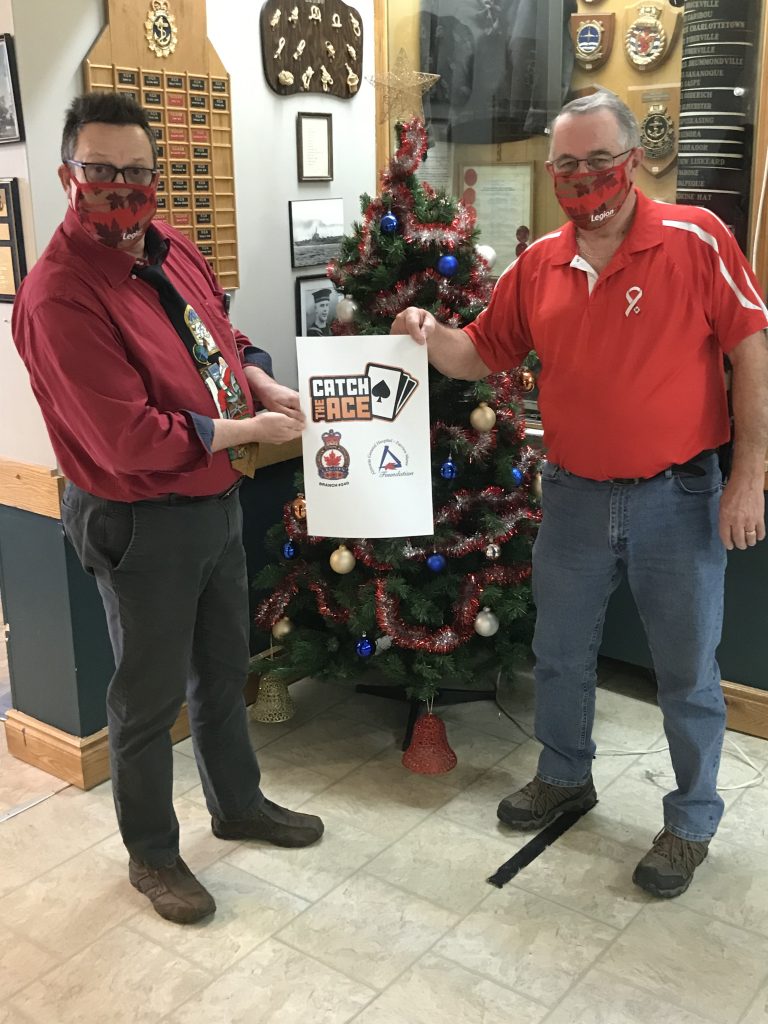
367 458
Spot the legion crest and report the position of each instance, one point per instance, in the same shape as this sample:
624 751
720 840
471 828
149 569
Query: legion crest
161 31
651 32
592 39
332 460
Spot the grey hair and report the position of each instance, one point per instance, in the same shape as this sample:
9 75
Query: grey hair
604 99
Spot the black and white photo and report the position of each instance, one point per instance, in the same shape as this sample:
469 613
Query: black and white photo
11 125
316 302
317 227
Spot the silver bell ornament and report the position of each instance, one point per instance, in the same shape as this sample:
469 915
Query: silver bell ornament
282 628
486 623
346 310
483 418
493 552
488 253
342 560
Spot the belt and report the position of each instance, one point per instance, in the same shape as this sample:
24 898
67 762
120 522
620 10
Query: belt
689 468
189 499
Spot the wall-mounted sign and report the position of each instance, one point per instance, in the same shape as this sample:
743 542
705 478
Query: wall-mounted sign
162 34
650 32
657 109
592 39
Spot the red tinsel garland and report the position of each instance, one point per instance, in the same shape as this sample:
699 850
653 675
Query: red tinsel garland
273 607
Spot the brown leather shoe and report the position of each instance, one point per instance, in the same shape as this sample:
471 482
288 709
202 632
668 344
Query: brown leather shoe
174 892
273 824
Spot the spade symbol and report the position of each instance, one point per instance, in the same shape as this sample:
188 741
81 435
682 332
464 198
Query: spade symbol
381 391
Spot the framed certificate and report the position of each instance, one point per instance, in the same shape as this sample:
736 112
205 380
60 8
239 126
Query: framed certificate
11 124
13 263
502 197
314 147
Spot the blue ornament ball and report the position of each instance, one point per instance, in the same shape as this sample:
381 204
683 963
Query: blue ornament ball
364 647
447 265
449 470
517 476
389 223
289 549
436 562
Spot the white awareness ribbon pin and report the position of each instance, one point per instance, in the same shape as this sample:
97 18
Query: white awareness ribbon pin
633 297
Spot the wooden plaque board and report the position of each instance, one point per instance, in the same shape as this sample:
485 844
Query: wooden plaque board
189 101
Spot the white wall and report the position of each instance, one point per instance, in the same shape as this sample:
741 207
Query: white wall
52 39
266 178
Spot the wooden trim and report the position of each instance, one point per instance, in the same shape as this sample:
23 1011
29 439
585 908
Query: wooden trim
760 150
83 761
381 65
270 454
747 709
31 488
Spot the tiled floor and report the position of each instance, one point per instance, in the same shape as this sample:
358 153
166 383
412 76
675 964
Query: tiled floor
389 919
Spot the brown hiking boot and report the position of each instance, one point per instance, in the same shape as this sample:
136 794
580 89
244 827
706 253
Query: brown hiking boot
174 892
273 824
667 869
539 803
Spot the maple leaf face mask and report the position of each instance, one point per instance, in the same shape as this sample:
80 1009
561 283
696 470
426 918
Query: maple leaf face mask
595 197
114 213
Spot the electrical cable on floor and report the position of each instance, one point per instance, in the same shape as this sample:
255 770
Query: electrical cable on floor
757 780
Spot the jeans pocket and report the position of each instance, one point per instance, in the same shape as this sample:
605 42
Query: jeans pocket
118 534
708 483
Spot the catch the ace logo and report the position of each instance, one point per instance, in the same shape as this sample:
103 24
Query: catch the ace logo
381 394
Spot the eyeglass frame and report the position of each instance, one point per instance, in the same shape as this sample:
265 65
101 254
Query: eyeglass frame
155 172
551 164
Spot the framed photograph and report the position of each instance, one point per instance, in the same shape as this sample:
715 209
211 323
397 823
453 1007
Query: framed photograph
11 124
502 196
317 227
13 263
316 302
314 147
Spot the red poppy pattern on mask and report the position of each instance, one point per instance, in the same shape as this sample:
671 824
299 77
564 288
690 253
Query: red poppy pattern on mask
115 214
593 198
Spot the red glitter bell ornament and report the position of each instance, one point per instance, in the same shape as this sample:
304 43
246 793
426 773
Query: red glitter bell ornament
429 752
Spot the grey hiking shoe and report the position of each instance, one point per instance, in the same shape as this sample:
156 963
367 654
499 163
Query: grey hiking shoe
539 803
667 869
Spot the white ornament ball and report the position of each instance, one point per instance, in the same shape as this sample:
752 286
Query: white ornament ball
346 310
342 560
483 418
488 253
493 552
282 628
486 623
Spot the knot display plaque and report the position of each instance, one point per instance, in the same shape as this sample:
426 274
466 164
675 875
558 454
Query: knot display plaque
312 47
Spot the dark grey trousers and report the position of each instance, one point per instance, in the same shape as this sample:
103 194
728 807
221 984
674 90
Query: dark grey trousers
173 581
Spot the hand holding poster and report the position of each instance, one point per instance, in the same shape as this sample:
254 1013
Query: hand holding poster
367 458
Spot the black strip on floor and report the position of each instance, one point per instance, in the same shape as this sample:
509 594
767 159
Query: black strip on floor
534 848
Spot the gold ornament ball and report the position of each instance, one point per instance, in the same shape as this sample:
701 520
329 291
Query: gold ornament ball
282 628
342 560
527 380
346 310
486 623
299 507
483 418
536 487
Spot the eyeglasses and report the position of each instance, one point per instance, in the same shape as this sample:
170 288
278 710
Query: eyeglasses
106 173
601 161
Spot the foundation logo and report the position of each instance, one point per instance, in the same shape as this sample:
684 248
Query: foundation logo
332 460
380 393
388 458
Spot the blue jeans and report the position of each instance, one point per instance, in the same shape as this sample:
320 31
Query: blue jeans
663 534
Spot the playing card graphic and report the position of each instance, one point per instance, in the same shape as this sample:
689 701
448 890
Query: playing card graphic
390 390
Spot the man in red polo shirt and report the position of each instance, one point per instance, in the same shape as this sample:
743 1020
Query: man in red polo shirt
149 397
630 306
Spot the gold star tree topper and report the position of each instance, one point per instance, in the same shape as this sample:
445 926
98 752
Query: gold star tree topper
402 89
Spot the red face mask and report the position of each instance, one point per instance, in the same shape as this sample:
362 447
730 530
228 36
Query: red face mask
114 213
592 199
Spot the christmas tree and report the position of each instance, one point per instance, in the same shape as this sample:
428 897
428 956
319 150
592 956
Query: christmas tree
434 610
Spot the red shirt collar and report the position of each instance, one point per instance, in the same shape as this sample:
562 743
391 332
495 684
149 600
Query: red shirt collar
645 233
113 264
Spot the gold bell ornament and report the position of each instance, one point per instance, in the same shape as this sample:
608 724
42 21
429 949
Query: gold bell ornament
273 702
342 560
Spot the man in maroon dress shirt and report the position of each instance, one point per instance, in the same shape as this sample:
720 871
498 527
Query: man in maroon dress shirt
150 397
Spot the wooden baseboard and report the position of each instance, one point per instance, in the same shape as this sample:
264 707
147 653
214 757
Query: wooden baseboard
747 709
